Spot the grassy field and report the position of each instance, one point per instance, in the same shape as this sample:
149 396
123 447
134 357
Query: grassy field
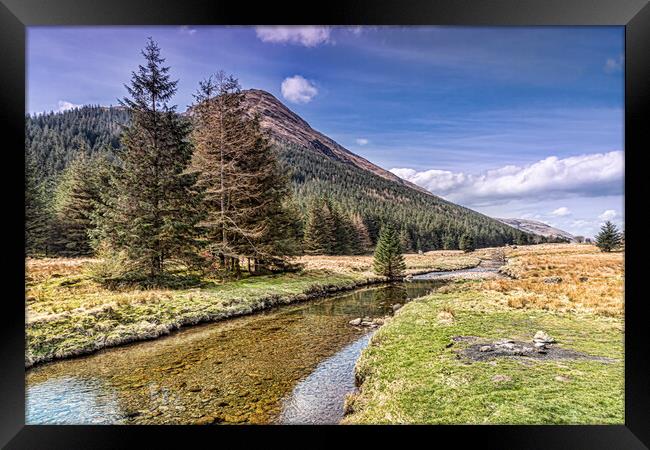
68 313
415 371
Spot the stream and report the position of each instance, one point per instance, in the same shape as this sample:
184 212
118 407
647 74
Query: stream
291 365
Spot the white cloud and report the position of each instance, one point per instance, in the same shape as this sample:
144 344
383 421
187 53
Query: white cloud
614 65
608 214
362 141
561 211
309 36
592 175
296 89
65 106
185 29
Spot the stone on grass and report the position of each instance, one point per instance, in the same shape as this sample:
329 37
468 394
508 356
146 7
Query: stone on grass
355 322
552 280
501 378
562 378
543 337
396 306
485 348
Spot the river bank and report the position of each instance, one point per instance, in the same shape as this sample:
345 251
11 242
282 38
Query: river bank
466 354
68 314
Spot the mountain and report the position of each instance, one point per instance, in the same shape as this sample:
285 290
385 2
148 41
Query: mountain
539 228
315 164
285 126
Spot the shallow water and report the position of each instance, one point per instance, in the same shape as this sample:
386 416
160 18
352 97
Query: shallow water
292 364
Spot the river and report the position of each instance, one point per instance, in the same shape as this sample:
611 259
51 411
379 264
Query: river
291 364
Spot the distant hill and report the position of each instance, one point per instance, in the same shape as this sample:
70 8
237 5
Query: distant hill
539 228
315 164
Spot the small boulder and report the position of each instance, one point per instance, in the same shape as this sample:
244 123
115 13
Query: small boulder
552 280
485 348
543 337
562 379
378 321
355 322
396 306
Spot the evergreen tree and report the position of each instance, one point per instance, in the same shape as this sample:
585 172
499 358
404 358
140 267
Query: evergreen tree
449 242
466 243
76 200
244 191
362 239
36 211
388 260
320 229
405 240
344 233
153 215
609 237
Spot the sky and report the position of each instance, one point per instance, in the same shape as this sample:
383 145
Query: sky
514 122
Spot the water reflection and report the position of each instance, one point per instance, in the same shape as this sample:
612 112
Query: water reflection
71 400
319 398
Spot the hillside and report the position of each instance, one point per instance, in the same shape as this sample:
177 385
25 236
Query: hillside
287 127
539 228
316 165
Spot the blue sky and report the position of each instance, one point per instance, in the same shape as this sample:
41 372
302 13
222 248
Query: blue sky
512 122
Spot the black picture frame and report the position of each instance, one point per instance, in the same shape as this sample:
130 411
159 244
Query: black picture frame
634 15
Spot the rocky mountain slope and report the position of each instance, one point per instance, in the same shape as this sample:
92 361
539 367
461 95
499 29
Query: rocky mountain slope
539 228
286 126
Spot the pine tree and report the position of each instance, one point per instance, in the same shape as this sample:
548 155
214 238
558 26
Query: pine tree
362 239
449 242
320 229
388 260
76 200
344 234
405 240
243 190
609 237
466 243
36 211
154 212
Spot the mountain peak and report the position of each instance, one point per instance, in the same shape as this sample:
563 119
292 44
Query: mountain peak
286 126
537 227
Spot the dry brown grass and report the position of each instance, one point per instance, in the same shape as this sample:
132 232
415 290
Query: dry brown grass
592 281
435 260
38 270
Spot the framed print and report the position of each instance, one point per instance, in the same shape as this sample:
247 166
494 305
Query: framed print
246 221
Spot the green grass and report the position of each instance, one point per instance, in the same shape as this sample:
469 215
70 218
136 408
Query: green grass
72 319
409 375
